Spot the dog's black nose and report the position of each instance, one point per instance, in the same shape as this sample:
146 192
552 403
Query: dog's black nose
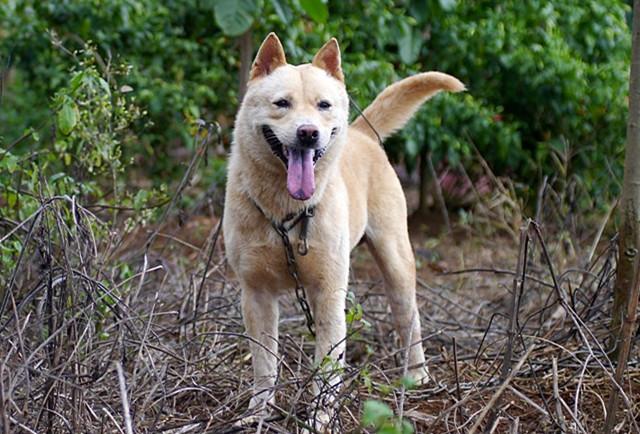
308 135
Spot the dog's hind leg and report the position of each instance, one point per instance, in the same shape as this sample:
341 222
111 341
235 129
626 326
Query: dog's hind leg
388 240
260 315
395 259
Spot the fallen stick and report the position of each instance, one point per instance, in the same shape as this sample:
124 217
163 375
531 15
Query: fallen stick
500 390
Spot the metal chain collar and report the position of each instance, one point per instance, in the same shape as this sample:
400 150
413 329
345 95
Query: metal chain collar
283 229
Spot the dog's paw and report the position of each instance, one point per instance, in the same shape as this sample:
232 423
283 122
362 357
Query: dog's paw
258 410
420 375
260 402
319 422
249 421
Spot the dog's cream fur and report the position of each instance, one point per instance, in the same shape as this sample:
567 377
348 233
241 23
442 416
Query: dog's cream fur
357 194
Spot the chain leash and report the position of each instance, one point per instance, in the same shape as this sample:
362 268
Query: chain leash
283 229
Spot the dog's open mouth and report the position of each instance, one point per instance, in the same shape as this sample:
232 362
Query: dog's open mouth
300 163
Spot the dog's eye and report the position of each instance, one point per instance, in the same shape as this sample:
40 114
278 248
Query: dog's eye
324 105
282 103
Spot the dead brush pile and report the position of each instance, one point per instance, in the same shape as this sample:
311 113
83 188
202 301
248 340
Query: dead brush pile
516 346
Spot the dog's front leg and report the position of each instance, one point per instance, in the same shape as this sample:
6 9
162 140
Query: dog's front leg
328 308
260 315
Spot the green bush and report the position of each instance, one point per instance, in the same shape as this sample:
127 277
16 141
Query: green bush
179 63
543 76
554 74
78 158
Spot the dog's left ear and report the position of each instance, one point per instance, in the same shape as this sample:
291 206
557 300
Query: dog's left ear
270 56
328 58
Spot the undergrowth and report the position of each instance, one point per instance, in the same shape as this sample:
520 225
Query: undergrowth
118 313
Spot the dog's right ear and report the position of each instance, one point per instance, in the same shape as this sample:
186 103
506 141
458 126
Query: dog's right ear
328 58
269 57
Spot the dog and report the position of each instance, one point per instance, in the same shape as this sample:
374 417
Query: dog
293 150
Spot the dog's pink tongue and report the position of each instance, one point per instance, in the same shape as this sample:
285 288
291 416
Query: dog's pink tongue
301 182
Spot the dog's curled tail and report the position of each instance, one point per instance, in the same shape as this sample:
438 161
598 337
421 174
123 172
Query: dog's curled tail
395 105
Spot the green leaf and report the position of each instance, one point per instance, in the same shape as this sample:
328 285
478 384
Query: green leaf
406 427
419 9
8 161
316 9
57 176
412 147
12 198
410 43
34 135
67 116
388 428
140 199
447 5
76 80
282 10
408 382
376 413
235 16
104 85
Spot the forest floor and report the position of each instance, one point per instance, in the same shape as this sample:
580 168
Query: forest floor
166 351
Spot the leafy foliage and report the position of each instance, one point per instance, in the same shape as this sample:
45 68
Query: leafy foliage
544 77
80 159
234 16
378 415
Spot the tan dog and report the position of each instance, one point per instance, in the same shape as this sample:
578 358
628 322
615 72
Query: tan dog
292 149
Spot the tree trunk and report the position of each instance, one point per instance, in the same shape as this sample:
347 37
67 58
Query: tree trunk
424 182
439 196
429 181
246 57
630 200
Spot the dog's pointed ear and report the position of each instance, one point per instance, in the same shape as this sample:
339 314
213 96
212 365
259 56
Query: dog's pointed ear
269 57
328 58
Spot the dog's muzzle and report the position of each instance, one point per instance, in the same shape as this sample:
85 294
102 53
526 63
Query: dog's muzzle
278 148
299 160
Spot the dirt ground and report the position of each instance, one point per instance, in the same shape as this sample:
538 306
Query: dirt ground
464 292
161 347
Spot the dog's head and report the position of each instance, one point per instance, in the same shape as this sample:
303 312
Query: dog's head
295 113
